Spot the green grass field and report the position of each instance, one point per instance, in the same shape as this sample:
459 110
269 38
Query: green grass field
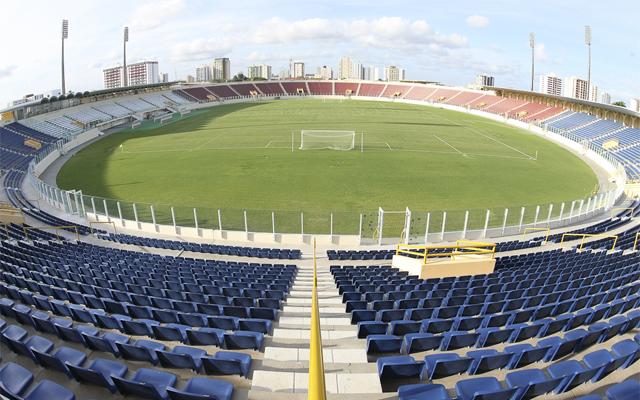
238 157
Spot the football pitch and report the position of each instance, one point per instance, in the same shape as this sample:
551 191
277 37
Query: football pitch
246 156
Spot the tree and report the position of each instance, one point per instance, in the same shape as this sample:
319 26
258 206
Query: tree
239 77
619 103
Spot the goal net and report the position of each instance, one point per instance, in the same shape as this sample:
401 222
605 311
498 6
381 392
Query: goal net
334 140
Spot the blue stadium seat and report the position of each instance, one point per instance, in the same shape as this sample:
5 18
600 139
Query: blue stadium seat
147 383
417 342
488 360
185 357
14 379
243 340
532 382
431 391
141 350
446 364
60 359
574 372
206 337
99 373
400 367
227 363
197 388
488 388
627 390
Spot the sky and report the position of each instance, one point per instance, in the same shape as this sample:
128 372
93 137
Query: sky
447 41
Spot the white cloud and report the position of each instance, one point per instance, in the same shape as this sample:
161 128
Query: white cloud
477 21
498 49
152 15
539 52
108 60
200 49
6 71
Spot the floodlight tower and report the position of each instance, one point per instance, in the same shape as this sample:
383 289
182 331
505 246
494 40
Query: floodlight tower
587 39
65 34
532 44
124 61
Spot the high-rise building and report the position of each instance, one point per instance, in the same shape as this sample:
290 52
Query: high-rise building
163 77
393 74
203 73
298 69
376 74
550 84
221 69
284 74
345 68
605 98
113 77
577 88
142 73
634 104
358 70
259 71
485 80
190 79
325 72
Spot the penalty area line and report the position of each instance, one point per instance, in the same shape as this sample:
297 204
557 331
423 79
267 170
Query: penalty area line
197 148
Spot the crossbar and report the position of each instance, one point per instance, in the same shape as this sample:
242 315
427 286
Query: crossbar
471 248
24 228
537 229
584 236
102 222
620 208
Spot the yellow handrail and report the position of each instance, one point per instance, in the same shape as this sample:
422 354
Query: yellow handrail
470 247
636 242
584 236
376 232
317 387
27 200
6 229
102 222
537 229
24 228
620 208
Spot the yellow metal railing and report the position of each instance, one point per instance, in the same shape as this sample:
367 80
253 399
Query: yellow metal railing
620 208
29 200
6 229
376 233
636 241
11 211
585 235
24 228
102 222
317 388
462 247
537 229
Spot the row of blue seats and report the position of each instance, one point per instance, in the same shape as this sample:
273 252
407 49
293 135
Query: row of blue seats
148 383
531 383
422 339
600 363
283 254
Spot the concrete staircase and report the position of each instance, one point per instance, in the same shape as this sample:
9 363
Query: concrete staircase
286 358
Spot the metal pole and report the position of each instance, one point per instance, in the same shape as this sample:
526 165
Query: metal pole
587 39
466 219
521 219
426 233
173 218
360 231
535 221
219 221
531 43
106 212
195 218
444 221
124 57
65 34
273 225
120 213
506 213
549 217
153 218
302 227
246 226
331 229
135 214
486 224
560 217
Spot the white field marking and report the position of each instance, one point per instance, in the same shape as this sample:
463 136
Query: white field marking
135 147
466 120
473 130
268 144
388 146
448 144
198 148
382 105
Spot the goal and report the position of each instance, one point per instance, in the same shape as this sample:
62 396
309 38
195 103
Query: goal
334 140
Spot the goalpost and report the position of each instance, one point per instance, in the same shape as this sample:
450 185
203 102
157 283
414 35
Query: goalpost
333 140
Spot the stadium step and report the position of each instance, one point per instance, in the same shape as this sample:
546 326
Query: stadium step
286 358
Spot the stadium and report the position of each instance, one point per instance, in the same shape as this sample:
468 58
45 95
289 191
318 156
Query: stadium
285 239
